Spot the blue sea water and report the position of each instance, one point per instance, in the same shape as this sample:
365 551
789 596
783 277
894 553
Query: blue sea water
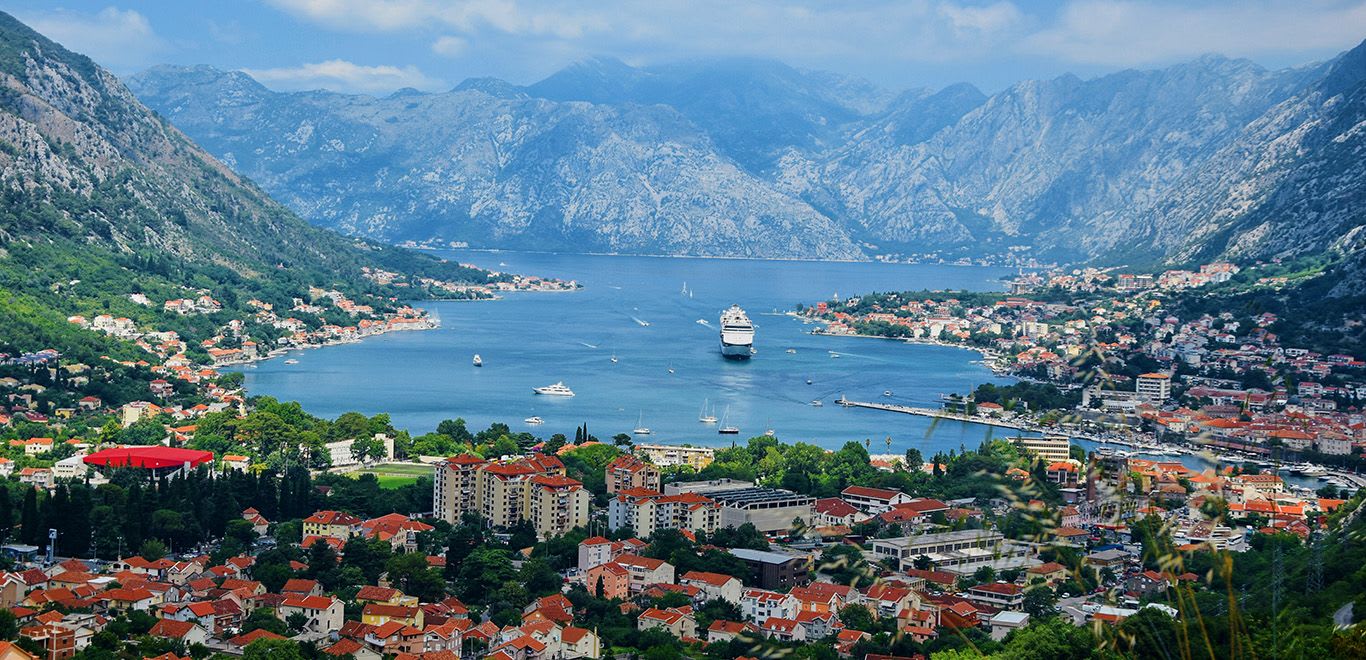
532 339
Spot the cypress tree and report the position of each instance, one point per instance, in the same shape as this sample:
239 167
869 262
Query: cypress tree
6 514
30 525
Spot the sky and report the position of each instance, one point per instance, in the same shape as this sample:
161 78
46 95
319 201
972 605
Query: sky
378 46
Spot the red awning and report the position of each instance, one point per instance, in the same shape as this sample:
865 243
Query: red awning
151 457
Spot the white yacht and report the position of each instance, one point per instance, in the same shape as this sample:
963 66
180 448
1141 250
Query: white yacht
614 358
478 361
558 389
291 361
737 334
534 420
816 403
641 428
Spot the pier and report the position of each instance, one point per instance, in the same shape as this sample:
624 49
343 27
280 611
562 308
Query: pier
931 412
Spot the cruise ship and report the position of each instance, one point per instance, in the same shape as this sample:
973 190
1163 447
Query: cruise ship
737 334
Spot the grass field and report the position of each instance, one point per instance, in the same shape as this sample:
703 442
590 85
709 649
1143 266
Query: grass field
392 475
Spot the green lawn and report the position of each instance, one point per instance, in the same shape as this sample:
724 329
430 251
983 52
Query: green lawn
393 476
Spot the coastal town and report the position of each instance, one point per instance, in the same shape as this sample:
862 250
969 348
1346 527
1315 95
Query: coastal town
719 566
348 537
1114 361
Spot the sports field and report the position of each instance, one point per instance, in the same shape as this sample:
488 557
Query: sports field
396 475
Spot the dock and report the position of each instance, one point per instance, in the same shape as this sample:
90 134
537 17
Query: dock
931 412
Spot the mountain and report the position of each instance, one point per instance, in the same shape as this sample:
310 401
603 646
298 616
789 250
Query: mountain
504 169
1210 158
102 199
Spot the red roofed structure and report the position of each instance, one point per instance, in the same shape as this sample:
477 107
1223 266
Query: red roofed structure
153 457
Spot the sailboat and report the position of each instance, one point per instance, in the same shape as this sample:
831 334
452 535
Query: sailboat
706 417
727 429
640 428
685 288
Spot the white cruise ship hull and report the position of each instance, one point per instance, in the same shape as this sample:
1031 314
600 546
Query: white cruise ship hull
735 351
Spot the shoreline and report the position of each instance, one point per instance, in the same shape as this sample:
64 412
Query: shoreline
990 358
719 257
431 323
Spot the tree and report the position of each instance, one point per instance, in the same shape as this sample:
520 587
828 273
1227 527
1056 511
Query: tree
272 649
1039 602
858 617
30 529
263 618
6 514
914 459
152 550
411 574
9 627
540 579
483 571
1053 638
296 622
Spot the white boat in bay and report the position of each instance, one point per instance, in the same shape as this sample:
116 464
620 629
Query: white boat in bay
478 361
534 420
291 361
706 416
727 429
558 389
737 334
816 403
641 428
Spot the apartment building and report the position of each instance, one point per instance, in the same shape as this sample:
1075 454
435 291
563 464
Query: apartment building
670 455
627 472
557 504
506 492
645 510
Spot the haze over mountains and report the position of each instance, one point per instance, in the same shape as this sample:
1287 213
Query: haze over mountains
1214 157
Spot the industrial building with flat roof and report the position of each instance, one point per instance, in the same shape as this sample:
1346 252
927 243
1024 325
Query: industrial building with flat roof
768 509
961 552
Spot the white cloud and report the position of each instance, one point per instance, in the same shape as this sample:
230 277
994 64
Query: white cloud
998 41
505 16
1131 33
977 19
344 76
449 46
121 40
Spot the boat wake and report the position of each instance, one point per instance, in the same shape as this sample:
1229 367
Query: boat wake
586 344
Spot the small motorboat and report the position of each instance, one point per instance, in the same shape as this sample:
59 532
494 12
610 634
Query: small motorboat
886 392
534 420
478 361
816 403
291 361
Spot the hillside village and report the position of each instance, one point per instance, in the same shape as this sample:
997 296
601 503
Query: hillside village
880 560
